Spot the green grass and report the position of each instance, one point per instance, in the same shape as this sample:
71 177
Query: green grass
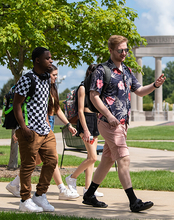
38 216
6 133
68 160
159 180
138 133
151 133
152 145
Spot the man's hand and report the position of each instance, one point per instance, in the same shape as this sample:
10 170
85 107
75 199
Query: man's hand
160 80
27 133
112 120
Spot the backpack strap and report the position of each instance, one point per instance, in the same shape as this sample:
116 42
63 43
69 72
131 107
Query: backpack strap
107 76
29 95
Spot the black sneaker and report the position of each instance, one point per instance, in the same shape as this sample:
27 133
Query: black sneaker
140 206
91 200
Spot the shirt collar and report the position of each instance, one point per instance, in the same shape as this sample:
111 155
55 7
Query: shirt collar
113 66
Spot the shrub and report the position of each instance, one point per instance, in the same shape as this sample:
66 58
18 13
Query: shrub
148 107
61 105
147 99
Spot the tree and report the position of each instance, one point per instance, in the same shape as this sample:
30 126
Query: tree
168 86
63 95
148 78
5 90
73 32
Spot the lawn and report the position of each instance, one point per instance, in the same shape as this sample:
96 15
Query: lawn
138 133
38 216
151 133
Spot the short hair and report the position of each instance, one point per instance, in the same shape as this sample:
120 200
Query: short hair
37 52
115 40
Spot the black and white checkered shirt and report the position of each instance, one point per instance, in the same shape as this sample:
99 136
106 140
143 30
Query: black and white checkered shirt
38 105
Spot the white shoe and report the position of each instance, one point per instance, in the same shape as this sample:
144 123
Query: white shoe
13 189
71 182
98 194
29 206
43 202
68 195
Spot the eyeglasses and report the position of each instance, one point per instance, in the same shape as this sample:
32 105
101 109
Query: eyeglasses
121 50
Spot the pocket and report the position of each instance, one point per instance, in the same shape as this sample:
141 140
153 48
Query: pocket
31 138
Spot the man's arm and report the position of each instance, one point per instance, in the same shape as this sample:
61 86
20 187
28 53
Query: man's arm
145 90
97 102
18 100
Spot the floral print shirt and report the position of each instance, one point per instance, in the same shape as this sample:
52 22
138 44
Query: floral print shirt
116 97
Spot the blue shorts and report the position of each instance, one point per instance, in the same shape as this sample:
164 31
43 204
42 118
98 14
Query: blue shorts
51 121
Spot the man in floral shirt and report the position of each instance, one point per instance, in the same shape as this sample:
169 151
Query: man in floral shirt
114 108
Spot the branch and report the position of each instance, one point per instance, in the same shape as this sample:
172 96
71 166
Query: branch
21 60
11 63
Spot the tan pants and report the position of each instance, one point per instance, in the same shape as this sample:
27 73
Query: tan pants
46 146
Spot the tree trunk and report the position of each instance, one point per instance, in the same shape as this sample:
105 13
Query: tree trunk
13 162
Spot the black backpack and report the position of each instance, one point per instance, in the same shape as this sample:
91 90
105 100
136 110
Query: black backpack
87 84
8 119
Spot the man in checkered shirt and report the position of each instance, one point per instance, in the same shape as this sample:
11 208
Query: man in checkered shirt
37 136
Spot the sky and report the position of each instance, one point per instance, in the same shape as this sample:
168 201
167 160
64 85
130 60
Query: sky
155 17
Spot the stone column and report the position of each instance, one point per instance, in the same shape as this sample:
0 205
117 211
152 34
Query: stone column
140 80
158 92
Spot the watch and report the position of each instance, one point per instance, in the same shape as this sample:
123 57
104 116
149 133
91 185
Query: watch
155 85
67 125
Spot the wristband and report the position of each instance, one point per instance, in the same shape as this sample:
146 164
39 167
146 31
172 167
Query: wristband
67 125
155 85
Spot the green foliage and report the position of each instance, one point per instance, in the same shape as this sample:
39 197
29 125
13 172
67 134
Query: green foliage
61 105
170 98
148 78
148 107
147 99
63 95
75 33
168 85
5 89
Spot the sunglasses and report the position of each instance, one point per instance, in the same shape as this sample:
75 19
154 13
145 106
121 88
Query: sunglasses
121 50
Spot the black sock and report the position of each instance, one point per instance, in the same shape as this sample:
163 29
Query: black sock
92 188
131 195
36 194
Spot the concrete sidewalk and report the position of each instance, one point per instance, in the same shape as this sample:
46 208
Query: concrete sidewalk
118 207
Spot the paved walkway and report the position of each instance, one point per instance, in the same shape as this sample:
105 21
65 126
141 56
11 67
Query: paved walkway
118 208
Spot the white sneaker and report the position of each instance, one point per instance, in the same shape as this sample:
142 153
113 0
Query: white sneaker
71 182
29 206
98 194
13 189
68 195
43 202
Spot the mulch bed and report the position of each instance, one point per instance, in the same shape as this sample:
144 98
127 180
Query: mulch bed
7 173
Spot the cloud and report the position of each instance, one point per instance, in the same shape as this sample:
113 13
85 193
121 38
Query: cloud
156 18
5 75
163 66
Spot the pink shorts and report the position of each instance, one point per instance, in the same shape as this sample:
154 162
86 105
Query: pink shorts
115 140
